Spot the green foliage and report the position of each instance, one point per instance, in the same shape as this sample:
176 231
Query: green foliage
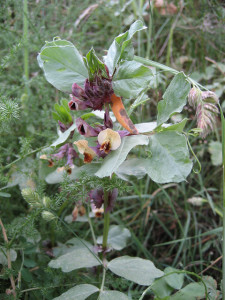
136 269
62 112
62 64
174 98
130 79
154 214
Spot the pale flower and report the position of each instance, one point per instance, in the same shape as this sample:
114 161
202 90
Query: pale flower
109 140
83 148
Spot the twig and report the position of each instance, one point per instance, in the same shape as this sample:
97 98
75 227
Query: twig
8 259
212 264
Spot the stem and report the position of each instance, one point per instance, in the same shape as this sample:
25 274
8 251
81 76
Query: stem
106 220
8 259
22 157
223 153
91 227
25 40
103 280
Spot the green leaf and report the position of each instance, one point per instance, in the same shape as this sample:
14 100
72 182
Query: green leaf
57 177
117 237
174 98
94 64
160 288
169 161
121 47
175 127
141 271
192 291
146 127
215 150
62 64
79 292
131 167
78 256
175 280
63 137
115 158
112 295
3 255
5 195
130 79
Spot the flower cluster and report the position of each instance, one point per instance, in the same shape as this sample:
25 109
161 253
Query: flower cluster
94 95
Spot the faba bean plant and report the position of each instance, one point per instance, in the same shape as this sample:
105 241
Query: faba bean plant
99 147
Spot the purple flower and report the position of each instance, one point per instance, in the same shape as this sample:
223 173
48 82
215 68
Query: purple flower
85 129
67 151
94 95
97 198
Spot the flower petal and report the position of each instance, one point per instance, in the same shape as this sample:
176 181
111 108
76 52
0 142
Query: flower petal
83 148
85 129
109 140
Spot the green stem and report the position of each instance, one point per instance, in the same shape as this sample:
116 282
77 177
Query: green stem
22 157
106 220
25 40
103 280
223 153
91 226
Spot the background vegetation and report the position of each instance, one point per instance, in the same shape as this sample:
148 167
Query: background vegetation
165 226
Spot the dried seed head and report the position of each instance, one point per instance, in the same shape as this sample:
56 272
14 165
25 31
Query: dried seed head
83 148
109 140
194 97
210 97
206 109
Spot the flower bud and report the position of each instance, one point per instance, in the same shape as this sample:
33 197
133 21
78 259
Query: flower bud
31 197
48 216
46 201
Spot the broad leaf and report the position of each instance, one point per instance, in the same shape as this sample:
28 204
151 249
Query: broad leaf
160 288
192 291
121 47
152 126
62 64
112 295
130 79
117 237
57 177
141 271
169 161
131 167
174 98
78 256
79 292
115 158
175 280
64 136
146 127
175 127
